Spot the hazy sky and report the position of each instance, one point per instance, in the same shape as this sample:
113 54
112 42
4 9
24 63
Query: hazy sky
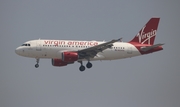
146 81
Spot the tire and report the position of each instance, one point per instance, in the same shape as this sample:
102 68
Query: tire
89 65
82 68
37 65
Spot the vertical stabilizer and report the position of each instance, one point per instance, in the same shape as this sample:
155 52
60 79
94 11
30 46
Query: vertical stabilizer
148 33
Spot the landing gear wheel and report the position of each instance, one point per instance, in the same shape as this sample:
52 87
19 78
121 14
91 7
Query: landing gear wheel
89 65
37 65
82 68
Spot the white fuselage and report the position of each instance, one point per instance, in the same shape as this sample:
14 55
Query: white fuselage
53 49
64 52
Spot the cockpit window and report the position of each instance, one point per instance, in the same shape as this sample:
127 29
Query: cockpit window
25 45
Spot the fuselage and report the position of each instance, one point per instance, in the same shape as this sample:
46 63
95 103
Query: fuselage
64 52
53 48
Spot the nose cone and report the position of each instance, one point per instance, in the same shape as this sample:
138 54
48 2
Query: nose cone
17 51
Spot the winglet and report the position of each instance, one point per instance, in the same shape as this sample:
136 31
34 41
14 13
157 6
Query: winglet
120 40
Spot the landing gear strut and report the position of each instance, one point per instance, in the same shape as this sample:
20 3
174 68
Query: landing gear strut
37 65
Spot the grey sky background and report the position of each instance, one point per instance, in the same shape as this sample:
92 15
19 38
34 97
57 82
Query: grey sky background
147 81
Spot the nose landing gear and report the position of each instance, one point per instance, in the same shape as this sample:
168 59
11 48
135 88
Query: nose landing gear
37 65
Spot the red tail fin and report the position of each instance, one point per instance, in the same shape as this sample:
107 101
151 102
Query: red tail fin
148 33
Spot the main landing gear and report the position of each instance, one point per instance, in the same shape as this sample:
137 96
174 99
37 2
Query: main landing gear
82 67
37 65
89 65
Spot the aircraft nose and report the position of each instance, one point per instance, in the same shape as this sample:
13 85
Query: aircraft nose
17 51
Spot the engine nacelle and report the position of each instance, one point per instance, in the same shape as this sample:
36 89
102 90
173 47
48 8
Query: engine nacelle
69 56
58 62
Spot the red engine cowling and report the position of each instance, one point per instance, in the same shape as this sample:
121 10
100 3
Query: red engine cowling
69 56
58 62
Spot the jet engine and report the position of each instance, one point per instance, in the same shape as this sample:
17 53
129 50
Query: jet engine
58 62
69 56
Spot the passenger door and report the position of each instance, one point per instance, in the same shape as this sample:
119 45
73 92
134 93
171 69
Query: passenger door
38 45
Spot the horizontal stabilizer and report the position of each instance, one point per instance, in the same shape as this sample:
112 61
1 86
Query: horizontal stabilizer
147 48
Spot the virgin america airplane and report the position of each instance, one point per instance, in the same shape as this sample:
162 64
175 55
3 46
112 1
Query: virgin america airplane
64 52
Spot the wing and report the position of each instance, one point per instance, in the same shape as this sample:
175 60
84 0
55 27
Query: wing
92 51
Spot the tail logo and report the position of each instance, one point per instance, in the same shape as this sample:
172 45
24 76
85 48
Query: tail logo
143 36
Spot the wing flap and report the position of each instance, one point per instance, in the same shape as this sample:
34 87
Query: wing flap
92 51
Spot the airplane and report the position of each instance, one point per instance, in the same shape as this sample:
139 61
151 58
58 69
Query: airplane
65 52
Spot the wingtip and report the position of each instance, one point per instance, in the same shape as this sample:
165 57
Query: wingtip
162 44
120 39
